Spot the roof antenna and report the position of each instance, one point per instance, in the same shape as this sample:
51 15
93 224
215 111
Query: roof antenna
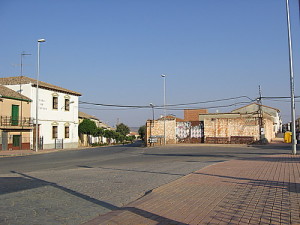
21 74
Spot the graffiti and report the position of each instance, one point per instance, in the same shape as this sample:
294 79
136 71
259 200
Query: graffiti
186 131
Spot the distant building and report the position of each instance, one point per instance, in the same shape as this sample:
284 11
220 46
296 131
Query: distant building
87 140
257 109
193 114
236 128
245 125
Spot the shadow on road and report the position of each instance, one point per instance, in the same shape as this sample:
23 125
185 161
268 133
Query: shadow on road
28 182
130 170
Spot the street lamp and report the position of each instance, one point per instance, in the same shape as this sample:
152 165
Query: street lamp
37 98
150 139
165 111
294 140
152 106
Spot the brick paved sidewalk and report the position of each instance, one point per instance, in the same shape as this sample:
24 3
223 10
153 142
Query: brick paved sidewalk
264 190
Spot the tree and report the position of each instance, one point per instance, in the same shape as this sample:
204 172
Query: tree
123 129
100 132
142 131
87 127
130 138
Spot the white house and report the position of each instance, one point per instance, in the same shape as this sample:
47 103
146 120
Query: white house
57 111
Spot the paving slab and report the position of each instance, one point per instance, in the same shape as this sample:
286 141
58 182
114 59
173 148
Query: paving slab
261 190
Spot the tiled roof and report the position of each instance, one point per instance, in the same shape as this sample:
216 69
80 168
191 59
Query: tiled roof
169 117
86 116
8 93
258 105
28 80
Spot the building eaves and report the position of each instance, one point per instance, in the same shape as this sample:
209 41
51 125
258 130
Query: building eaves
86 116
255 104
6 92
28 80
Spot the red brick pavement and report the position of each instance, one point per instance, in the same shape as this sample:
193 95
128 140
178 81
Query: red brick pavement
264 190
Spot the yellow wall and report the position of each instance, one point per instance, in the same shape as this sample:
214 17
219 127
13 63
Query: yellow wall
6 107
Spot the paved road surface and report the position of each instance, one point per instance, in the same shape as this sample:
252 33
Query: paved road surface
72 187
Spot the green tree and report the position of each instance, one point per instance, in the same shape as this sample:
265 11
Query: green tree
130 138
87 127
100 132
123 129
142 131
108 134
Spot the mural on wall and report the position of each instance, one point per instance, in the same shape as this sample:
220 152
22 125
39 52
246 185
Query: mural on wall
189 131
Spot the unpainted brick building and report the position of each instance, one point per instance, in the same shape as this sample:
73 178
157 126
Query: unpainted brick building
236 128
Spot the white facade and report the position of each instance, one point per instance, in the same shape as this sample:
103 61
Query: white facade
64 120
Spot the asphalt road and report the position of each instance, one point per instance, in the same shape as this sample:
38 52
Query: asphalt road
72 187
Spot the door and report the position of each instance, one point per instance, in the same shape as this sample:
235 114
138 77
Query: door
15 115
16 141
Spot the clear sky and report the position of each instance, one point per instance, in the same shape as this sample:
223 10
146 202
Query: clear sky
114 51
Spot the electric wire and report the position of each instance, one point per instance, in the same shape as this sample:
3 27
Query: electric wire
160 106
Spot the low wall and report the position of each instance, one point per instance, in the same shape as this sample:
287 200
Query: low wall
231 140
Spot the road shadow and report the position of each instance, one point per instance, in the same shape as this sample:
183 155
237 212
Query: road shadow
26 182
131 170
17 184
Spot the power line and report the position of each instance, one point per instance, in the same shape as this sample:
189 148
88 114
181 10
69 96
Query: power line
175 108
171 105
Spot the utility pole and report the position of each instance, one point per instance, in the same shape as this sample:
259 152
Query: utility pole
260 115
21 121
292 87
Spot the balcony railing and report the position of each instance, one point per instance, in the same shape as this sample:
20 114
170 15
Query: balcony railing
8 121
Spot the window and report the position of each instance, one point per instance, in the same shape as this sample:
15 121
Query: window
54 132
67 105
67 132
55 102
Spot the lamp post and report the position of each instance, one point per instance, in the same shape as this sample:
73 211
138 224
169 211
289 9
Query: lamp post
150 139
294 140
37 98
165 111
152 106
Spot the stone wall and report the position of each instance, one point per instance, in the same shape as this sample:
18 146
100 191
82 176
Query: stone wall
240 129
155 129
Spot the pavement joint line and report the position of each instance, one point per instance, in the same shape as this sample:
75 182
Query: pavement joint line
227 202
256 187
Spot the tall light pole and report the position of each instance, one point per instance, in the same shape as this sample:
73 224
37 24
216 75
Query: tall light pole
165 110
37 98
294 140
151 123
152 106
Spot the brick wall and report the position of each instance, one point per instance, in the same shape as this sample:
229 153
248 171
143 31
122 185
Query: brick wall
193 114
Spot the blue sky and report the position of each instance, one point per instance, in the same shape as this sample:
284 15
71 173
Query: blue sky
114 51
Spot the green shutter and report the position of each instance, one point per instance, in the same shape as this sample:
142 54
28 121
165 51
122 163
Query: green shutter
15 115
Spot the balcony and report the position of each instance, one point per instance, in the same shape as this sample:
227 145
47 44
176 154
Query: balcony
9 122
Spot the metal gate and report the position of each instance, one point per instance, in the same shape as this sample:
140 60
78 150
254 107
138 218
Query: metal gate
59 143
190 132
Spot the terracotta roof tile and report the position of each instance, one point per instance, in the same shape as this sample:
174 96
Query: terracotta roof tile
28 80
8 93
86 116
